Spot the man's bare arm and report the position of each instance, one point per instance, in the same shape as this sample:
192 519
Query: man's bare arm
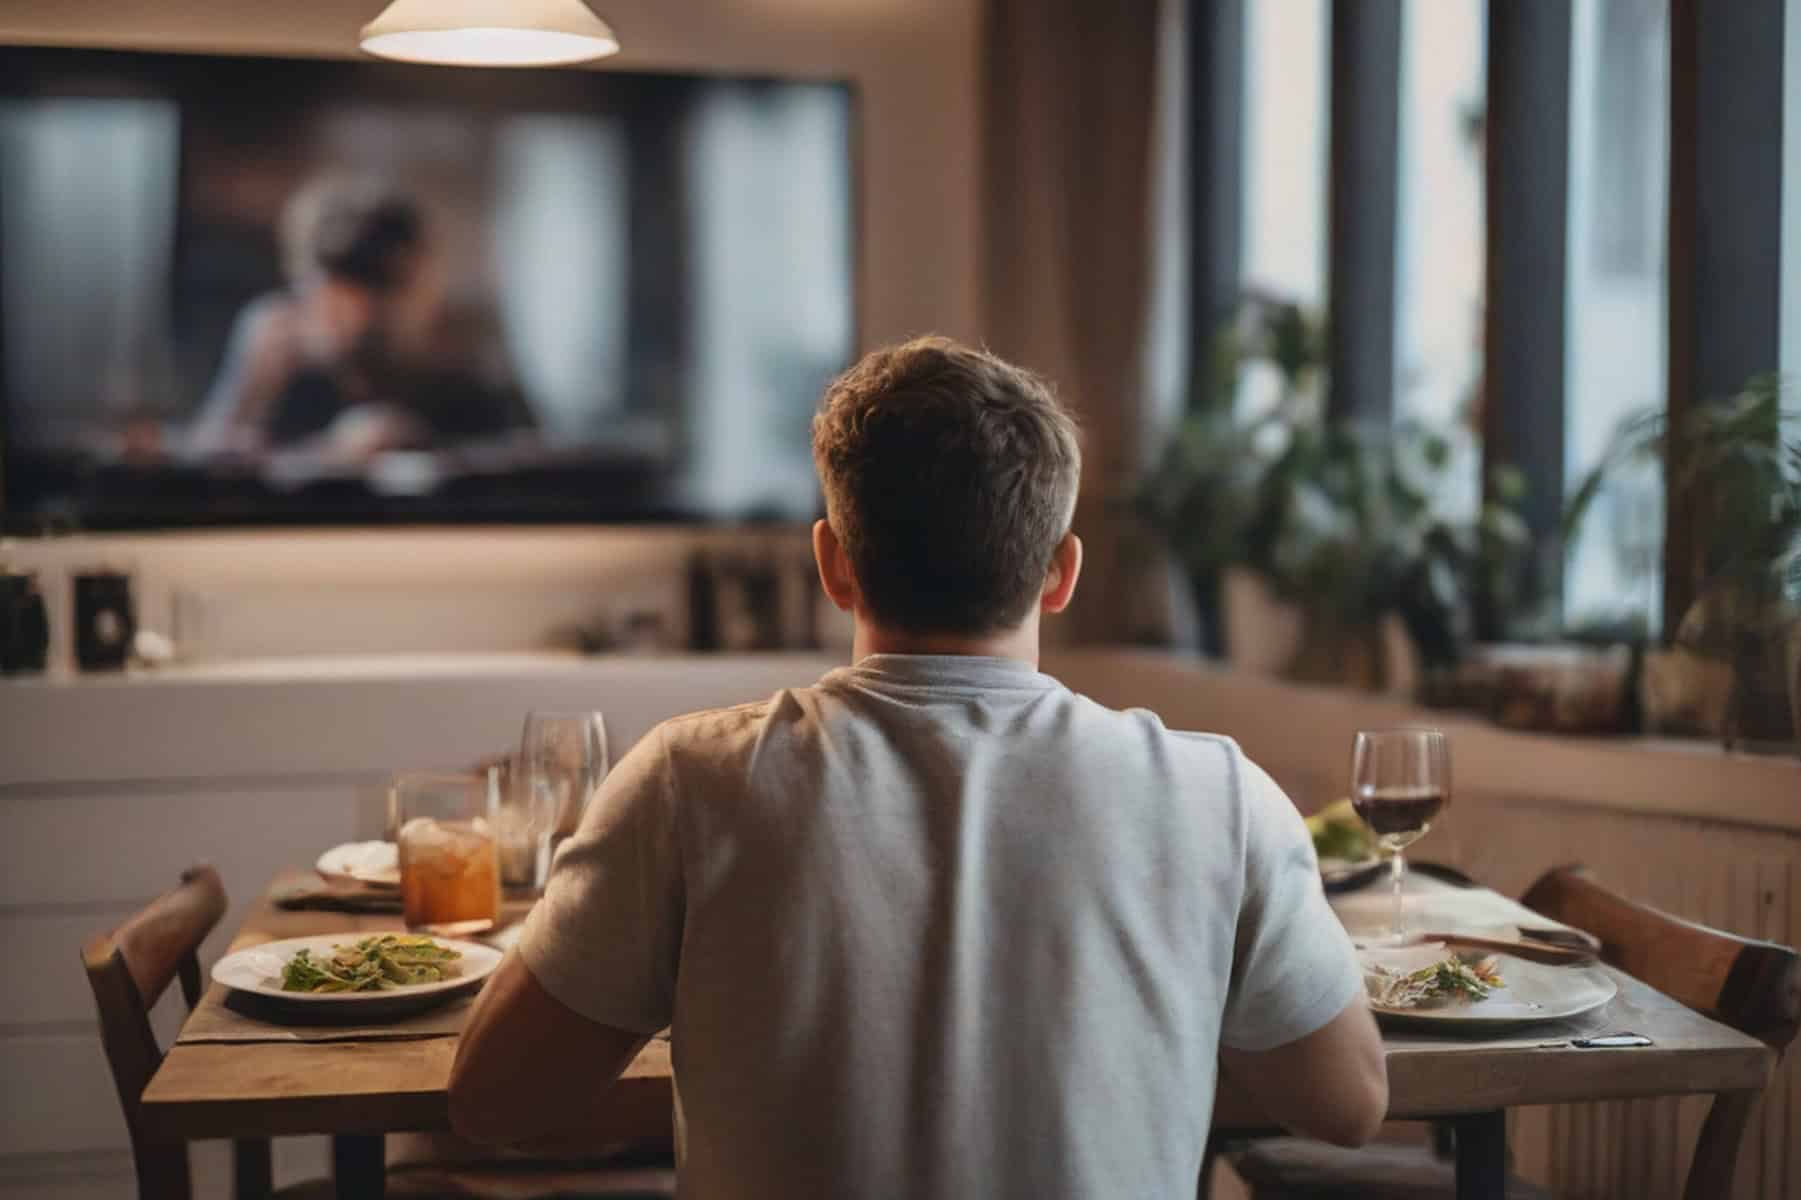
531 1071
1331 1084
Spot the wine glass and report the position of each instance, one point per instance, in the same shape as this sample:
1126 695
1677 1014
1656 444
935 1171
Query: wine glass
562 758
1400 781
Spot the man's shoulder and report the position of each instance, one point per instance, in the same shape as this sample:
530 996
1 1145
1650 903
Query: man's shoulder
1149 724
718 734
723 736
713 727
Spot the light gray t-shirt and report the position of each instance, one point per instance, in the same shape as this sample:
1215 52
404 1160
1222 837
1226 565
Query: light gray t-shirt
940 927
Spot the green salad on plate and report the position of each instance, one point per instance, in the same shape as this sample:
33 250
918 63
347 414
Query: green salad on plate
380 963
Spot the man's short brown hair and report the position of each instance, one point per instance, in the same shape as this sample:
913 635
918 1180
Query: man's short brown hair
950 477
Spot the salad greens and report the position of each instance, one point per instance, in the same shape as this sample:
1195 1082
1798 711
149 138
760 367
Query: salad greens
1338 832
380 963
1448 979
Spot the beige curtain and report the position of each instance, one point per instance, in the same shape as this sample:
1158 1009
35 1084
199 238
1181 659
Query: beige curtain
1070 102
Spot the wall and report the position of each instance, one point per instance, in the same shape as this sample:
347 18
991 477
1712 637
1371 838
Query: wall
916 64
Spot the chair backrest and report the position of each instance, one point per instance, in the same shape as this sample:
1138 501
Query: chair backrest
129 970
1753 986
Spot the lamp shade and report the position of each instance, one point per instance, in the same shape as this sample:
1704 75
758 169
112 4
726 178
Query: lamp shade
489 33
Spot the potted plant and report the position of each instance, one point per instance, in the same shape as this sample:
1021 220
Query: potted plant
1351 530
1196 499
1341 521
1732 470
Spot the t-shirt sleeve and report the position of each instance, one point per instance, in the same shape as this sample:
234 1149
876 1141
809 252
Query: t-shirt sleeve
606 937
1294 968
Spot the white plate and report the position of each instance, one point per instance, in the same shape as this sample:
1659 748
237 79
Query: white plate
257 969
1531 994
375 864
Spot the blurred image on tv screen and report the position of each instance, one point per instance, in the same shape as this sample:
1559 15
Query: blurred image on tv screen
238 290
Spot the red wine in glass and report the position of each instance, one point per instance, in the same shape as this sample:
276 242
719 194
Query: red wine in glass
1400 782
1398 815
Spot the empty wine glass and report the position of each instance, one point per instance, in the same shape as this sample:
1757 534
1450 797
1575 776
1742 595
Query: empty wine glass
1400 781
562 759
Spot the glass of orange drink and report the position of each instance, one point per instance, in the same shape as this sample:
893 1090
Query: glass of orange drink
449 864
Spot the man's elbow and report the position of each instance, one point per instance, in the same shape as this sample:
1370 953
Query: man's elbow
477 1114
1356 1119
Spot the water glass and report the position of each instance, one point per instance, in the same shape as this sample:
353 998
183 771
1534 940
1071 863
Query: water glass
525 822
563 758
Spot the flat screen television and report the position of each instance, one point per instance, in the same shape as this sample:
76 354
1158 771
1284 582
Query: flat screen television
252 290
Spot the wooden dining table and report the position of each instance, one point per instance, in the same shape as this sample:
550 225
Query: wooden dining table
358 1090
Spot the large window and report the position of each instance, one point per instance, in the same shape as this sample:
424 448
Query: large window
1439 235
1530 314
1286 132
1617 292
1438 229
1168 321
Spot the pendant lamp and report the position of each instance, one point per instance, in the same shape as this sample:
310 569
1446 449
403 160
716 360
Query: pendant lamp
489 33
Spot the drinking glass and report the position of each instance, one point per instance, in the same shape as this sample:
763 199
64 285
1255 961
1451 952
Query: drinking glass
563 757
526 818
449 868
1400 781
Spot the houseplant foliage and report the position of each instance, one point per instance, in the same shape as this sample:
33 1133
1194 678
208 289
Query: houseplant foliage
1729 466
1344 521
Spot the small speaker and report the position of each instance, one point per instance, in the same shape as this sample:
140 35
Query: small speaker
24 625
104 620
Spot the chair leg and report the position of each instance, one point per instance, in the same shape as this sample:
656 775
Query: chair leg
1716 1153
162 1169
252 1172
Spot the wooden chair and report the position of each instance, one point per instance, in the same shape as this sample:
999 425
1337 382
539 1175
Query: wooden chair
1752 986
130 969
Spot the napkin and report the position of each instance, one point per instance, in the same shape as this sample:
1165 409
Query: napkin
318 896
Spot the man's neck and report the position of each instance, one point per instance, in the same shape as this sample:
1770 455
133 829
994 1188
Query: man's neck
1020 643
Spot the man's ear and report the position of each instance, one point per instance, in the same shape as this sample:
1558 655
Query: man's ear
835 575
1060 580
